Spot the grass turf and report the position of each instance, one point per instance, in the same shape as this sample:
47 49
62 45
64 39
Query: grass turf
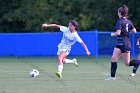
89 77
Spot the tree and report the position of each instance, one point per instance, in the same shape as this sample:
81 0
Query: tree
28 15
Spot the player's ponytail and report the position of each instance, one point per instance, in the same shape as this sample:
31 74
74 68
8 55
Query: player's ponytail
123 11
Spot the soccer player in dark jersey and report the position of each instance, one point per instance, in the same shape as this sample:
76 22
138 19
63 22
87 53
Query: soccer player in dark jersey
138 44
123 45
136 67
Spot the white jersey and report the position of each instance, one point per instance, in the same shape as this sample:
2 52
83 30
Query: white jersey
68 38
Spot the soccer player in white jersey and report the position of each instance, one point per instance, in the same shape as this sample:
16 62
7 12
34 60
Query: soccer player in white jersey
70 36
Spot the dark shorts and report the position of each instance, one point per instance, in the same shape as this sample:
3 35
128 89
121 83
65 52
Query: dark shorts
124 49
123 43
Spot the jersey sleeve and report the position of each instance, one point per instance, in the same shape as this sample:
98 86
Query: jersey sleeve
118 25
78 37
63 28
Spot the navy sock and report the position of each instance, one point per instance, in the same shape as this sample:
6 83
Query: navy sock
134 62
113 68
135 68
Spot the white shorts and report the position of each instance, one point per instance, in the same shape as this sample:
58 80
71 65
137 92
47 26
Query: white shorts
64 50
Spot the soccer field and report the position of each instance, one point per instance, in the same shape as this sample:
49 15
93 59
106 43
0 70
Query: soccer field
89 77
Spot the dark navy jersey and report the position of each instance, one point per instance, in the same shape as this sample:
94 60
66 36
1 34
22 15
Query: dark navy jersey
125 26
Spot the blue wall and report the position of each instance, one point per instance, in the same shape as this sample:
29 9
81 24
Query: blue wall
42 44
45 44
106 43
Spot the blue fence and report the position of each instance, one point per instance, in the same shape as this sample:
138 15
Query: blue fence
45 44
42 44
106 43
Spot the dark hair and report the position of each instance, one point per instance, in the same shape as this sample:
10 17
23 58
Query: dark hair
123 10
74 23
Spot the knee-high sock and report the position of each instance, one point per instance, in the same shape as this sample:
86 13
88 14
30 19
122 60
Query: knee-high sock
134 62
60 68
135 68
68 61
113 68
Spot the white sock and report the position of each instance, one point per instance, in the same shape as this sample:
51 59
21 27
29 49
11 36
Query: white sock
60 68
68 61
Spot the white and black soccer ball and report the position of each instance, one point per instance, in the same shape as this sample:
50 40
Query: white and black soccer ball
34 73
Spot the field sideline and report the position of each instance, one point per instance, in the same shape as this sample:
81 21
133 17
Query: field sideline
89 77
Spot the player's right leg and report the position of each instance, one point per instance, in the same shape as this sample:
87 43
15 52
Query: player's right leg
114 59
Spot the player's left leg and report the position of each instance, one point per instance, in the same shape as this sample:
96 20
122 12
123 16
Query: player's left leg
135 68
73 61
67 61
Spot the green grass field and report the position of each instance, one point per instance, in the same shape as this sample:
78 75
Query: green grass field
89 77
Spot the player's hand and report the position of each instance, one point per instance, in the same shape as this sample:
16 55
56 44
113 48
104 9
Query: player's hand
44 25
88 53
112 34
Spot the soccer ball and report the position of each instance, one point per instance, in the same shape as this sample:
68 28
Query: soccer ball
34 73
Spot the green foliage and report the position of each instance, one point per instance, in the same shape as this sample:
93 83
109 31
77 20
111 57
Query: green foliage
28 15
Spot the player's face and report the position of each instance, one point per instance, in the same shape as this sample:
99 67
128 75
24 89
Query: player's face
119 14
71 27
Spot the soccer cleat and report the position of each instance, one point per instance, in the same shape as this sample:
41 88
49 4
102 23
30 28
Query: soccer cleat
58 74
132 74
75 62
111 78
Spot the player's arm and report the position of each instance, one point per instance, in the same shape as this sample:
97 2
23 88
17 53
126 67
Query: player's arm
134 30
82 43
138 42
50 25
117 33
85 47
117 29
